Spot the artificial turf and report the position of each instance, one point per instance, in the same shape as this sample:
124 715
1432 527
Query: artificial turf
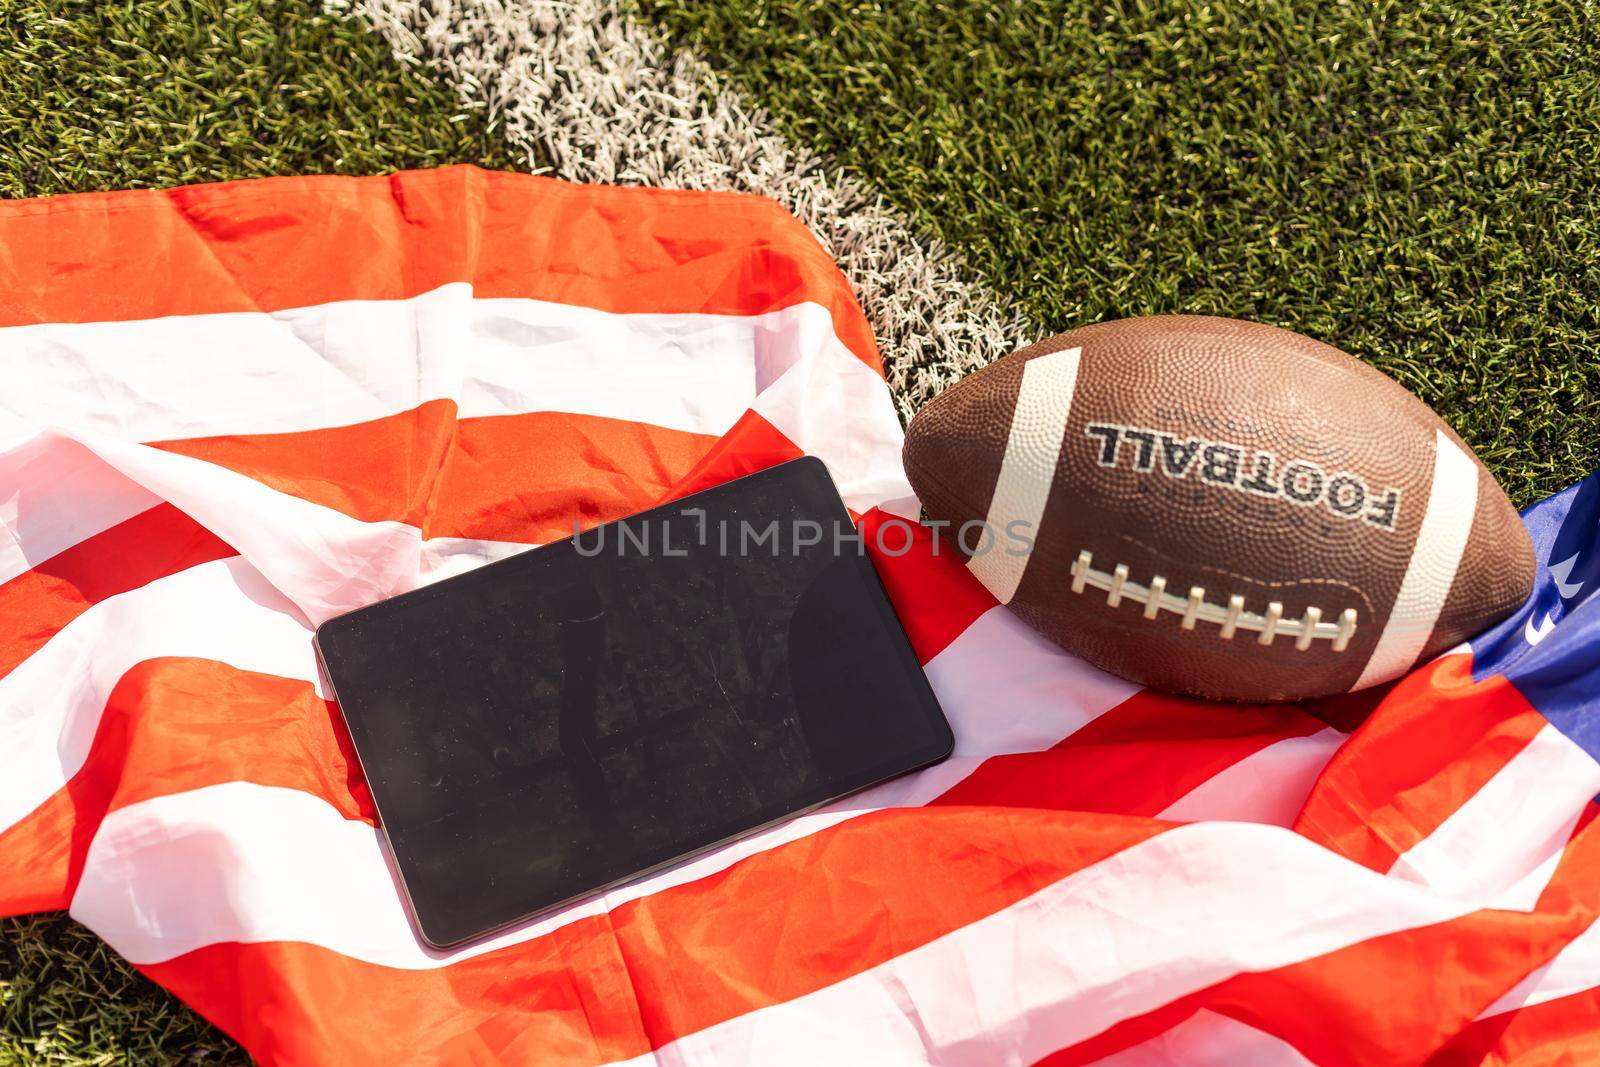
169 92
66 998
154 93
1418 184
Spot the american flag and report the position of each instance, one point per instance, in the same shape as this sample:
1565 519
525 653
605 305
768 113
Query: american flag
229 412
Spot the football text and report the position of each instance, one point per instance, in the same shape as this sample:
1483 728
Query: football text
1223 463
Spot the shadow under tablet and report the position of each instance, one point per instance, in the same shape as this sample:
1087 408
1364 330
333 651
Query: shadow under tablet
584 713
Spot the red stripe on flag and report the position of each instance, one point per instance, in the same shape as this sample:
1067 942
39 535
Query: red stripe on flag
933 592
224 247
177 724
508 478
1139 758
153 544
172 725
1438 738
752 444
503 477
1564 1031
1126 1034
1389 999
654 969
566 1001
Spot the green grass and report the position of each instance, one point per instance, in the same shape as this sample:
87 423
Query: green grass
156 93
1416 183
65 998
1419 184
161 92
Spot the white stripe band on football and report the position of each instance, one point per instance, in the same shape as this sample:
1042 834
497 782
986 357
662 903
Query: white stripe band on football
1027 471
1431 574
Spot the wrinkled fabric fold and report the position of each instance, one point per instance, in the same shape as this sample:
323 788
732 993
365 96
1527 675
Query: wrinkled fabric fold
232 411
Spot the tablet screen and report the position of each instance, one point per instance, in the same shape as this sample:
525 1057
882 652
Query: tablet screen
579 714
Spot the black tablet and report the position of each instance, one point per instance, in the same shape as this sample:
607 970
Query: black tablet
584 713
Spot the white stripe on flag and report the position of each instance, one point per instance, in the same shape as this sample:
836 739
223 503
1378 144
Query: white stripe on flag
322 560
52 702
1207 1039
248 863
1541 791
1028 469
1269 786
1151 924
352 361
1575 969
56 494
1446 525
1004 688
297 870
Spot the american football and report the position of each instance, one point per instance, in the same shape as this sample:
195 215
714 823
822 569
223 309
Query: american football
1220 508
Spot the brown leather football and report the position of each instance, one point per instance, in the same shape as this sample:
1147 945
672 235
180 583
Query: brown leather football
1218 507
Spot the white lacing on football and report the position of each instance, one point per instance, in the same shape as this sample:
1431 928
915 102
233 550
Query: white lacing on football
1194 608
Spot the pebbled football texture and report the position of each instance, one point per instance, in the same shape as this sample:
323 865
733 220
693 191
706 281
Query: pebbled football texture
1219 508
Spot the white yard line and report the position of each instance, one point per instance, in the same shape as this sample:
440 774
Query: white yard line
585 92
